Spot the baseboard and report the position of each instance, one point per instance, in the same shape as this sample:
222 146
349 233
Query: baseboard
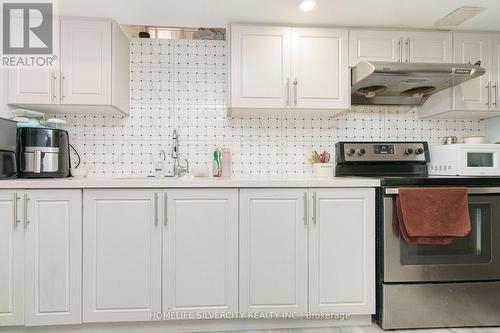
193 326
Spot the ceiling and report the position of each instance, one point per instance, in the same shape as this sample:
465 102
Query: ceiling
218 13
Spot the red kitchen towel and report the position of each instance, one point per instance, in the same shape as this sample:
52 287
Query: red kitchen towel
433 215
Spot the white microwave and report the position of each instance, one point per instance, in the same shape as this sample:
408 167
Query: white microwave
465 160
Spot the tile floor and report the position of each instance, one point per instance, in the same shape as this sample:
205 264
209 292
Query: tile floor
376 329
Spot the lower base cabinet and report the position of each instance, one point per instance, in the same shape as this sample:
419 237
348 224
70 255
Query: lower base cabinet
273 250
200 252
121 255
186 252
12 234
308 250
342 251
40 261
123 251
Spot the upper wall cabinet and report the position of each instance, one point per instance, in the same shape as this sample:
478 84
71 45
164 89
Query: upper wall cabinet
399 46
92 77
282 67
476 98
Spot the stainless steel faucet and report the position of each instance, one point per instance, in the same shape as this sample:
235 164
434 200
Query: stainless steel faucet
179 170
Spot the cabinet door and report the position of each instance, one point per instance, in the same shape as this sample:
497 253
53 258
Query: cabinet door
33 86
495 71
53 257
342 251
473 94
121 255
374 45
11 259
273 250
200 250
260 67
320 73
85 62
432 47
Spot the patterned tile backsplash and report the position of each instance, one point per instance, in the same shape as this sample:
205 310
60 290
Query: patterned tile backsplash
181 84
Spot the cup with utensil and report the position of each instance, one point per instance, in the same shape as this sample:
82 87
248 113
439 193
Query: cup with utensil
322 166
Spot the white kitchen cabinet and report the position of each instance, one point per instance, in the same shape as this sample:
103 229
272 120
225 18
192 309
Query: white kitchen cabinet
495 71
260 67
475 98
374 45
281 67
342 251
200 250
33 86
433 47
11 258
470 48
53 257
121 255
85 62
92 75
399 46
320 74
273 250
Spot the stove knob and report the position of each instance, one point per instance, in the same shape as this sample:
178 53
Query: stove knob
409 151
419 151
351 151
361 152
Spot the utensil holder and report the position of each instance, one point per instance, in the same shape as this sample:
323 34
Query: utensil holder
323 170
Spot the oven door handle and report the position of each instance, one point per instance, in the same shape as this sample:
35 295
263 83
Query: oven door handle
470 190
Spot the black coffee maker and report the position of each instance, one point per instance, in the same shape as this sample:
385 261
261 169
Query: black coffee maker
8 166
42 153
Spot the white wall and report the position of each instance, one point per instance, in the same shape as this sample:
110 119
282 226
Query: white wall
181 84
492 129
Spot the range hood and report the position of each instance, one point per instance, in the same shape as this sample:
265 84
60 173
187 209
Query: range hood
395 83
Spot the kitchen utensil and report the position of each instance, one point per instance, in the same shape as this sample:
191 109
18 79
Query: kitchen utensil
449 140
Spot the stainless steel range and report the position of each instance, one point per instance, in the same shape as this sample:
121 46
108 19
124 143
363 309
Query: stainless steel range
418 285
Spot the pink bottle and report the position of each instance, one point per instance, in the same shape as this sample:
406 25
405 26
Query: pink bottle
226 163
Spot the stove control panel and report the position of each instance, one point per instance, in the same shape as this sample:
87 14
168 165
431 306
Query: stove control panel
382 152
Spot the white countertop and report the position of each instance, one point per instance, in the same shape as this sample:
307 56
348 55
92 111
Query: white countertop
186 182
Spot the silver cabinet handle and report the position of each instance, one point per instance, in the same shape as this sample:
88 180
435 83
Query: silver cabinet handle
314 208
62 85
407 43
305 208
26 220
287 101
495 94
295 83
165 218
16 219
156 209
489 94
400 44
53 86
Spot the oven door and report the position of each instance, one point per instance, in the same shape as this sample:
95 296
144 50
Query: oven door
470 258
